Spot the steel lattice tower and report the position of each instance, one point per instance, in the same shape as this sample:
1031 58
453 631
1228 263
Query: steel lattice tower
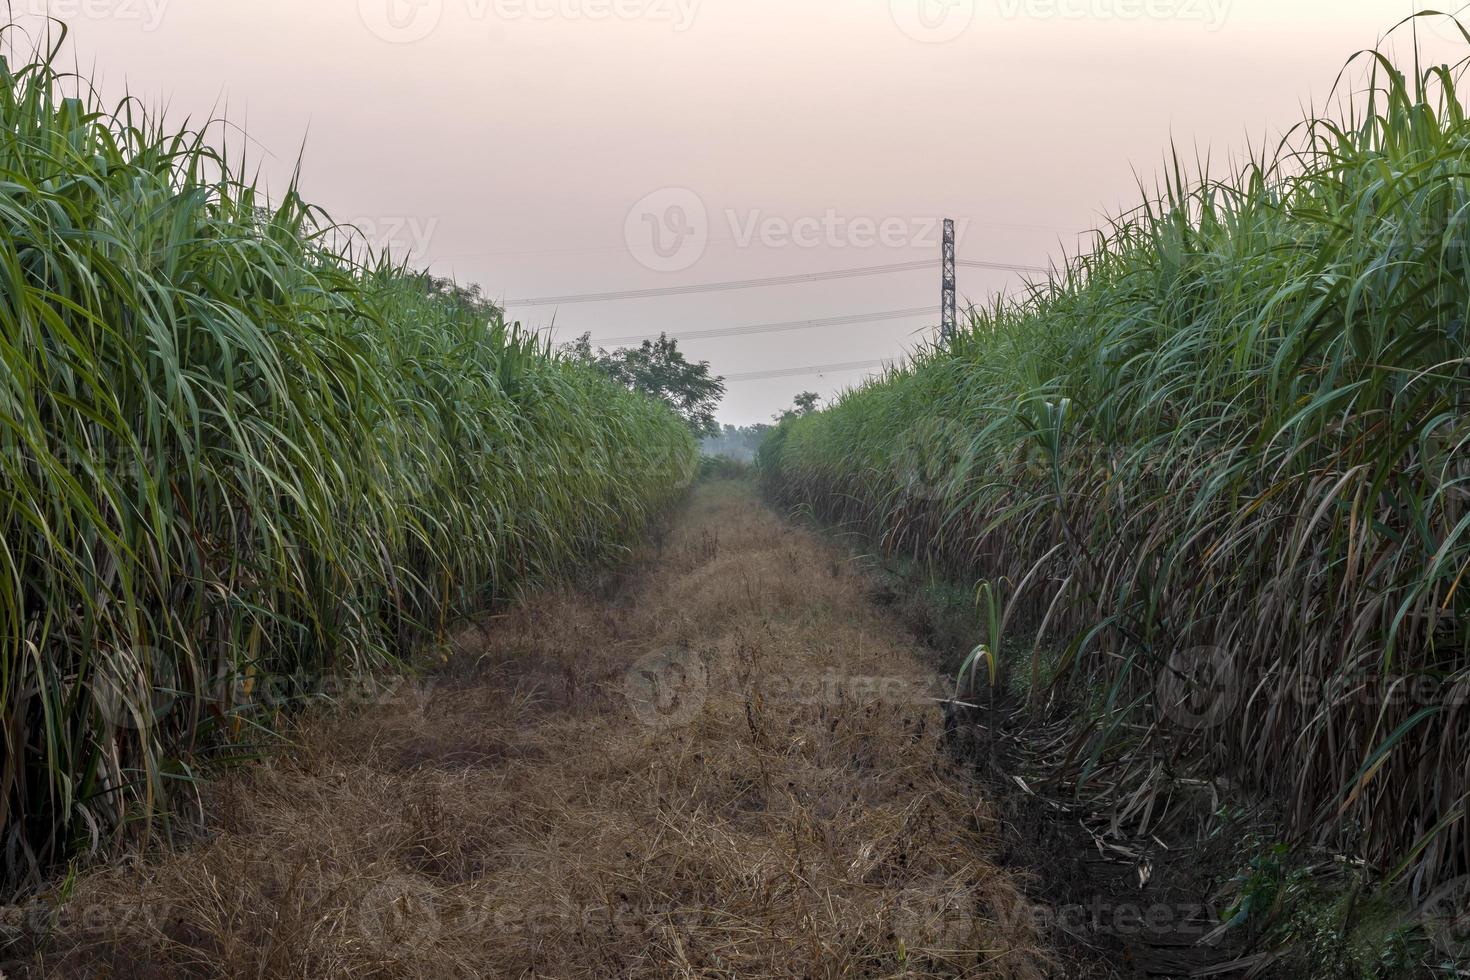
948 310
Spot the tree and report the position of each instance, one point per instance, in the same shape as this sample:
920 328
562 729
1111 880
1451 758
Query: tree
659 369
470 297
804 404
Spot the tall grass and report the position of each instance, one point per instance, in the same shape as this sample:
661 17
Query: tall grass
230 450
1240 422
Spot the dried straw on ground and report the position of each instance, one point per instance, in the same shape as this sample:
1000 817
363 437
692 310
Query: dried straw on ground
781 808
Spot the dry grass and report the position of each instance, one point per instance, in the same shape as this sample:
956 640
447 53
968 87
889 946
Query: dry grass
520 818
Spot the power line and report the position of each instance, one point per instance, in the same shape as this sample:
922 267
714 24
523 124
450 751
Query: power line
1001 266
816 369
734 240
711 287
831 321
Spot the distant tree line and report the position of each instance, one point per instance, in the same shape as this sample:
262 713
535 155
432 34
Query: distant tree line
741 441
735 441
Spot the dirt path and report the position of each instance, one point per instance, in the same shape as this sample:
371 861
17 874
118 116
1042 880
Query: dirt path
729 767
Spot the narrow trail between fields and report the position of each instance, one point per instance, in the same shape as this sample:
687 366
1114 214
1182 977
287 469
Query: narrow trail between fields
729 765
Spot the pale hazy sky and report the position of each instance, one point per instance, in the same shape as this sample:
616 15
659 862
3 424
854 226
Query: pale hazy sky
535 146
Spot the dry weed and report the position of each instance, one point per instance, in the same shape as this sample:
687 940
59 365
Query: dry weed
729 769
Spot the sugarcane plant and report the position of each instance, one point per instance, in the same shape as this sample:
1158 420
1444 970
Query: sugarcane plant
237 445
1225 448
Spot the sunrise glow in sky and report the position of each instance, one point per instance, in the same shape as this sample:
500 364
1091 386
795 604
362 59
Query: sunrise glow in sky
571 147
